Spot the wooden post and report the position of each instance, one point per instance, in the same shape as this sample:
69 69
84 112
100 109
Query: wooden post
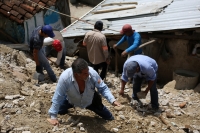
116 62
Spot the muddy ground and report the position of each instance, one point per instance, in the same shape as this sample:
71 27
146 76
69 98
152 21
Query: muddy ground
24 104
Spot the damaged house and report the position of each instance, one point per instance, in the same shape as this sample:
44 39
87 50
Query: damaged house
170 30
18 18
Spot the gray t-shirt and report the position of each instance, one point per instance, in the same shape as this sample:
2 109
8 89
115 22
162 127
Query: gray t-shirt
36 41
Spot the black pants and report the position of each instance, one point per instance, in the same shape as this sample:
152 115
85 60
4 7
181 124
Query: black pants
102 65
96 106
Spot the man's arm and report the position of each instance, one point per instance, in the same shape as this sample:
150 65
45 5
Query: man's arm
35 56
151 77
85 40
58 98
101 86
105 48
150 84
123 83
60 53
122 40
136 43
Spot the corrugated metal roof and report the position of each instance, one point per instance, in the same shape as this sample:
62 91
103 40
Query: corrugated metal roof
179 14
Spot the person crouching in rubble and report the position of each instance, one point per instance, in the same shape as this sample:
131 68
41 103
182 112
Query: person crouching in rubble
59 46
36 44
76 88
141 67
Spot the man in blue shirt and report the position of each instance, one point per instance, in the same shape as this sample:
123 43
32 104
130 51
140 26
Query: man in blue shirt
76 88
141 67
133 38
36 43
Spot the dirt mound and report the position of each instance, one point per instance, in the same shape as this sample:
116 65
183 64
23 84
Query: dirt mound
24 104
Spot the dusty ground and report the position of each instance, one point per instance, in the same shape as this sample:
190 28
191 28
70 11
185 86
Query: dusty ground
24 104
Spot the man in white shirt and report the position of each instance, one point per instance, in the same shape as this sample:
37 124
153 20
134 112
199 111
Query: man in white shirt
59 45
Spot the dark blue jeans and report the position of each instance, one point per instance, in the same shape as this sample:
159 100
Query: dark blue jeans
62 61
102 65
100 110
137 82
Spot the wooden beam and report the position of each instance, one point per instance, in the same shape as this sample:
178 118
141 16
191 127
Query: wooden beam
113 10
145 44
119 3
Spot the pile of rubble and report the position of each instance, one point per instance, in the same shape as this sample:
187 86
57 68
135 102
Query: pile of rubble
24 104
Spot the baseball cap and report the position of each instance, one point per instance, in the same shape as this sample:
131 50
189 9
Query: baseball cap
57 45
131 68
47 29
126 28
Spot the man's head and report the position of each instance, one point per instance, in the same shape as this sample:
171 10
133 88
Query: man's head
131 68
127 30
98 25
57 45
80 69
48 31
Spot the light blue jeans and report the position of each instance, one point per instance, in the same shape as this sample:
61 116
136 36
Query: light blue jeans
44 63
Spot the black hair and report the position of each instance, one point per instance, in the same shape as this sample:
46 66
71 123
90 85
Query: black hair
98 25
78 65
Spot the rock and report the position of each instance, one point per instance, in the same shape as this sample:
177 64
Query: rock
165 102
119 108
195 131
80 124
1 105
170 115
178 113
24 93
141 95
115 130
26 132
2 97
122 117
16 101
55 128
82 129
182 105
126 90
8 97
152 123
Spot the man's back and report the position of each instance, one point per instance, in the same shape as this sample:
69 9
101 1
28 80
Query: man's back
95 41
36 41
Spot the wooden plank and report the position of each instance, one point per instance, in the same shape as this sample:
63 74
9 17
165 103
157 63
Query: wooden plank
145 44
22 47
119 3
113 10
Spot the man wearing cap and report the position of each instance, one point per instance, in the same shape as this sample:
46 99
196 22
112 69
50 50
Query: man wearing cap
59 45
35 44
141 67
97 48
133 38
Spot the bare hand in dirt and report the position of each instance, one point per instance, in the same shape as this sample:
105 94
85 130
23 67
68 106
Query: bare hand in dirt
116 103
114 46
121 92
53 121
